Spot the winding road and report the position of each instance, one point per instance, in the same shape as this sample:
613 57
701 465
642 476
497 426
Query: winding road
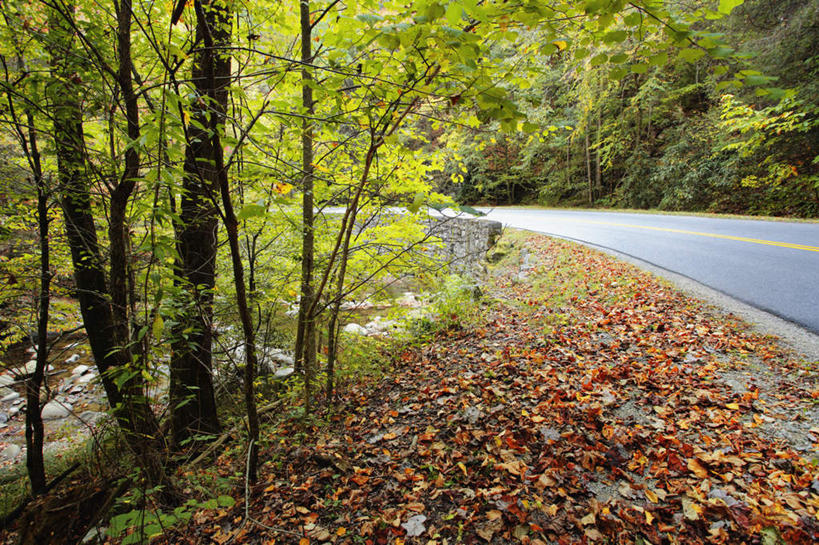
770 265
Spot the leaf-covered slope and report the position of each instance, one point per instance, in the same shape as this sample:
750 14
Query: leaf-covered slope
599 406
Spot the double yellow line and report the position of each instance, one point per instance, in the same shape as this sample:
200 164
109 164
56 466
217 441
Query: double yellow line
712 235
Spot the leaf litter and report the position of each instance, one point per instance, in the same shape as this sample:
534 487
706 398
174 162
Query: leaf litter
591 403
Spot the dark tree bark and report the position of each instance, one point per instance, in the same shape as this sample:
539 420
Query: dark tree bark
34 418
305 349
112 356
193 403
27 136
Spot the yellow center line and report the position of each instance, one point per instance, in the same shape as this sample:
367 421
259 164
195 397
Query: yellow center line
713 235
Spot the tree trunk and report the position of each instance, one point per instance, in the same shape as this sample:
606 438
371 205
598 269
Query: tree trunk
598 178
130 406
588 168
193 403
34 418
305 351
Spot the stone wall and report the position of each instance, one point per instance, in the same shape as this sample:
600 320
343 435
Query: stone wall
465 241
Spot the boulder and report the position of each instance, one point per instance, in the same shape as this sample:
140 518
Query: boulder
86 378
9 397
54 410
6 380
284 372
281 357
10 452
73 359
354 329
79 370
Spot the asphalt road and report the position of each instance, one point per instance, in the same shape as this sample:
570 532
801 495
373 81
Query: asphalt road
772 266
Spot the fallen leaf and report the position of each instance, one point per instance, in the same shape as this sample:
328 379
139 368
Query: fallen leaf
415 525
697 468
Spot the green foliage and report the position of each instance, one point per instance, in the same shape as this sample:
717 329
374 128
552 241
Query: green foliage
141 525
651 110
454 306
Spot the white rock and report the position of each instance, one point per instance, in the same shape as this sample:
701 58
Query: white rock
282 357
284 372
29 367
10 397
354 329
356 305
73 359
409 299
80 369
86 378
6 380
92 417
94 535
54 410
10 452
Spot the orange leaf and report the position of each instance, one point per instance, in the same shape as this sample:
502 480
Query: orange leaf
697 469
304 541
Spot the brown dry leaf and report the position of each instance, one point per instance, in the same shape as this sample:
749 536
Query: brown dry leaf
593 534
697 468
494 514
545 481
690 509
588 519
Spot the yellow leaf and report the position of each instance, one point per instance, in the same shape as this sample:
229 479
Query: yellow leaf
462 467
560 44
697 469
651 495
649 518
734 406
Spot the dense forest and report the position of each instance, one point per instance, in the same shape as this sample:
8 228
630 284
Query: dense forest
195 196
676 134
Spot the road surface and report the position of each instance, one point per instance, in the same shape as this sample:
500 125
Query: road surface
772 266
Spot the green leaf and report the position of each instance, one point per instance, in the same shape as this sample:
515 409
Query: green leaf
599 59
640 68
690 54
659 59
581 53
369 18
727 6
250 210
225 501
417 201
617 73
615 36
453 13
548 49
158 326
